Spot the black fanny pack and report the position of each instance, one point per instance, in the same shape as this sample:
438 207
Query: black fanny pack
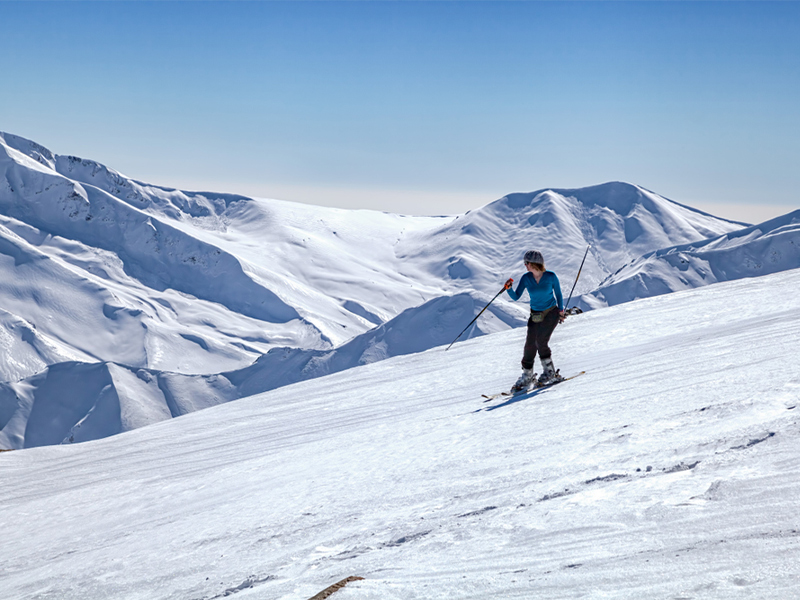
537 316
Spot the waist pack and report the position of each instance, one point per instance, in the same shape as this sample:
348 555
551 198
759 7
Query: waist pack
537 316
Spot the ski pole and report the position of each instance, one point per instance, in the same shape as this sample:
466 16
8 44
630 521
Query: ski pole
566 306
476 318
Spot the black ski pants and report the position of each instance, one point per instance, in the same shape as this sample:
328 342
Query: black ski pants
538 338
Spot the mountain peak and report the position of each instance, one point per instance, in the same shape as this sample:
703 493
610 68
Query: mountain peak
96 266
29 148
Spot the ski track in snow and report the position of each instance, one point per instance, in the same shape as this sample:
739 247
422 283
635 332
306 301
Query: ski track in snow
670 470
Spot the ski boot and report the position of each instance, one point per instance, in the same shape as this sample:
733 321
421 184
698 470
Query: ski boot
524 381
549 374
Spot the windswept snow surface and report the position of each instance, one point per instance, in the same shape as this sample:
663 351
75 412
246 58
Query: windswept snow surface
769 247
109 269
671 469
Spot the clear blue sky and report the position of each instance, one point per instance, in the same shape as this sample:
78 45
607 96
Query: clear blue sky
417 107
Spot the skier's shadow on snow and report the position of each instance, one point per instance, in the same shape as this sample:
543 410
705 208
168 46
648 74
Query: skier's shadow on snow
515 399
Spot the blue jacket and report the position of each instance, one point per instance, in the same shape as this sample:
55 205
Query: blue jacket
543 295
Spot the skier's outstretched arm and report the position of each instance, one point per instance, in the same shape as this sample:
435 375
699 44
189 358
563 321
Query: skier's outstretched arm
515 295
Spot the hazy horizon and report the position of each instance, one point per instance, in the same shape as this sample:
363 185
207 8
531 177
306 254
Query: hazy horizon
418 108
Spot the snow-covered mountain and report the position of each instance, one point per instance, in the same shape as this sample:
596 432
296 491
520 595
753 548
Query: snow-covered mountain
74 402
618 220
671 469
762 249
97 267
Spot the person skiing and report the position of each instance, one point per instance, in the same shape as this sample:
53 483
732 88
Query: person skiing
547 311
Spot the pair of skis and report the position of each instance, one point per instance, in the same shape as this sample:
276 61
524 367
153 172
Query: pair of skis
532 388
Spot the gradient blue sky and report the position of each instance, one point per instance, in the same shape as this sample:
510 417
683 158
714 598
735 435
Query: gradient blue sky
418 107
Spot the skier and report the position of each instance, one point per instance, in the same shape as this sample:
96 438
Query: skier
547 311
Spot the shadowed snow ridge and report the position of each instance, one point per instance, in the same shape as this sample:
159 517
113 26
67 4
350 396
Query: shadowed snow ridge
152 251
75 402
762 249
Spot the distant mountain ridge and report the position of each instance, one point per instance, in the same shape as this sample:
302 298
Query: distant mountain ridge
199 282
170 301
619 221
73 402
753 251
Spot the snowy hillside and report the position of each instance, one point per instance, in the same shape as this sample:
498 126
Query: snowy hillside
618 220
77 401
192 282
96 267
762 249
671 469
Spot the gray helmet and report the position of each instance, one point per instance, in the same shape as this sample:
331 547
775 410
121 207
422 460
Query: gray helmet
534 256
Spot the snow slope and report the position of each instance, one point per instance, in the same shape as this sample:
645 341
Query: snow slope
24 350
78 401
109 269
670 470
762 249
112 283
